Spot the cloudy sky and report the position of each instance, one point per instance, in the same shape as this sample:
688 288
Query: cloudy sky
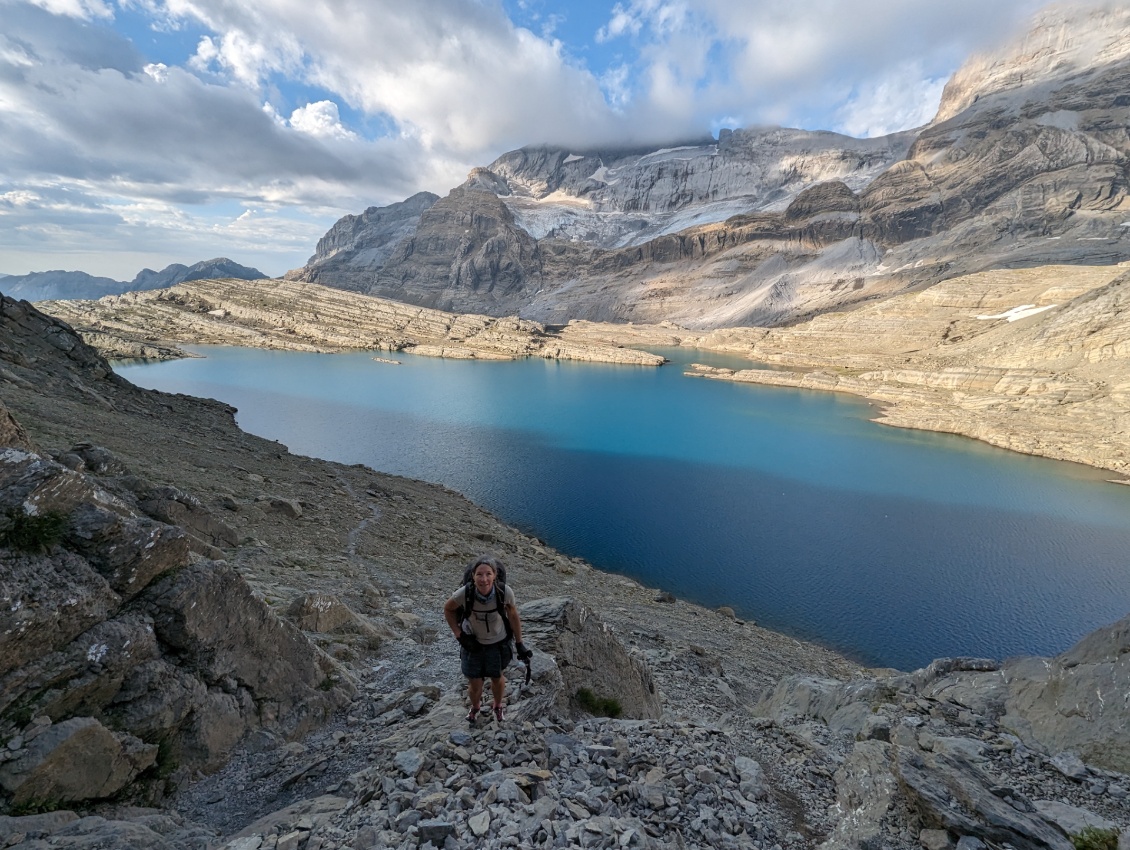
140 133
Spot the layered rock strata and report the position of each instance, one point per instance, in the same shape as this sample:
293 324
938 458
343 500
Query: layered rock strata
1033 360
295 316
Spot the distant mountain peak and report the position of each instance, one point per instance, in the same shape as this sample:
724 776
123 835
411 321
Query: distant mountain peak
78 285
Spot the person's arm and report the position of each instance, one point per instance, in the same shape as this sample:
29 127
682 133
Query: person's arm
524 653
449 609
515 621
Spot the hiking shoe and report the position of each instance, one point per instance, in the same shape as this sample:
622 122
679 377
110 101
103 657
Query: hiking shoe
499 713
472 714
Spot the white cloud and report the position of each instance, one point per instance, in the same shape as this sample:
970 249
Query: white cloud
616 87
17 198
624 21
85 9
771 61
899 99
321 120
105 143
157 71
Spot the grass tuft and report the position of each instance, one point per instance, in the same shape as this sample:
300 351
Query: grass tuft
599 706
33 533
1093 838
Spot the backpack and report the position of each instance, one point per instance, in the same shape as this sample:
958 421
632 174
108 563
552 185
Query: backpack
468 605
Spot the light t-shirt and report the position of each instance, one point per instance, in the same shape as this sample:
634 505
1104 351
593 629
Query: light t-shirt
486 623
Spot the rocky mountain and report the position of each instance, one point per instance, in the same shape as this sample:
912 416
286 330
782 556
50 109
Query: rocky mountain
45 286
39 286
1025 163
171 275
184 605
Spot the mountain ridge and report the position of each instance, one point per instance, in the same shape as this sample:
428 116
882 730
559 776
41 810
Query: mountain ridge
59 284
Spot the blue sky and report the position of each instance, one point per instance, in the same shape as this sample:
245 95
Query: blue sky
144 132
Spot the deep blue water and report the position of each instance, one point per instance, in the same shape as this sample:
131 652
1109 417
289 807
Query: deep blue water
894 546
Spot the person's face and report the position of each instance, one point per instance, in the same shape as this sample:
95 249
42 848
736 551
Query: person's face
484 578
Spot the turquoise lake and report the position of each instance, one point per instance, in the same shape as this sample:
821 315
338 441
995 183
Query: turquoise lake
891 545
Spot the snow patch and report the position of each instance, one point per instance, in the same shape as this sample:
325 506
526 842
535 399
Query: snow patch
571 158
1021 312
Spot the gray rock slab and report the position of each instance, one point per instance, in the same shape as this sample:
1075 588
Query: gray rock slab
1071 819
76 760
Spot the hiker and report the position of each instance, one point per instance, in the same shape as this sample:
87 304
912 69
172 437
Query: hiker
483 616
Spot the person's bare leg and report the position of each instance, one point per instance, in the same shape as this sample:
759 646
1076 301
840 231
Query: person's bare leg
498 691
475 692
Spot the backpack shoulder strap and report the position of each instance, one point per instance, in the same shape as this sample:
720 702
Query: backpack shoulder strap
500 601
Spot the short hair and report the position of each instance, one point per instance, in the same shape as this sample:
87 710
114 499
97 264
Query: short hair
489 560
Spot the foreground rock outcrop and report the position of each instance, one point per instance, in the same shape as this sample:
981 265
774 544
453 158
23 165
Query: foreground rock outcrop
119 647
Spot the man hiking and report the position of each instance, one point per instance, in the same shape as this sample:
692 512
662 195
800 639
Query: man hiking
483 616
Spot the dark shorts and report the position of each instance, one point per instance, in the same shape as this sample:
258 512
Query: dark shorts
487 662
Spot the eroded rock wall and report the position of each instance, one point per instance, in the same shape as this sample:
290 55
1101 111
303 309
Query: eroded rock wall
117 643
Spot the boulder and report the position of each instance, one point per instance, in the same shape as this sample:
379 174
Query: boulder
1071 819
208 616
866 789
320 612
36 486
1064 705
949 793
45 602
289 508
98 460
589 655
76 760
82 677
175 507
129 551
847 707
43 824
156 699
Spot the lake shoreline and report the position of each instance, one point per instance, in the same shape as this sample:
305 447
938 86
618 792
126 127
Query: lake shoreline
590 461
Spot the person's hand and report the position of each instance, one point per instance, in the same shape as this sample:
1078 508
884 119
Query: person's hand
468 642
524 654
